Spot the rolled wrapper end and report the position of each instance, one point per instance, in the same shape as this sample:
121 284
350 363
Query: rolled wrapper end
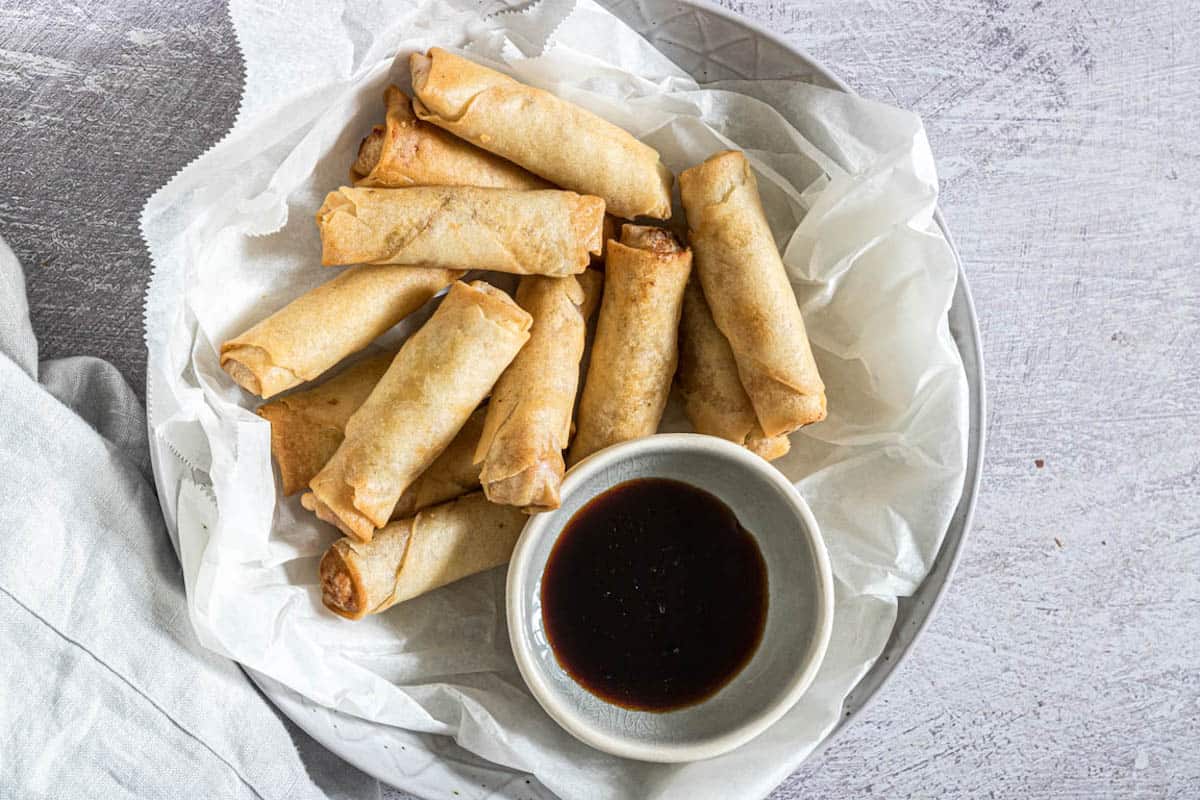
768 447
419 64
727 170
347 520
337 205
507 312
588 218
663 210
342 589
533 489
796 405
252 368
592 283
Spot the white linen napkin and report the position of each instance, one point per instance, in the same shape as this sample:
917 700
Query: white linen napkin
105 691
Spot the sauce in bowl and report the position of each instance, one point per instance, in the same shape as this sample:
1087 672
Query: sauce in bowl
654 596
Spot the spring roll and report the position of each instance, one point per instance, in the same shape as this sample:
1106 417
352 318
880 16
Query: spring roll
548 136
324 325
529 416
636 346
408 558
438 378
748 291
541 232
308 426
452 474
712 392
405 151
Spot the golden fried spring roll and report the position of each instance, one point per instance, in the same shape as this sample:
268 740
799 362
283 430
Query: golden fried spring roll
529 416
308 426
748 291
405 151
452 474
438 378
550 137
540 233
324 325
708 380
438 546
636 345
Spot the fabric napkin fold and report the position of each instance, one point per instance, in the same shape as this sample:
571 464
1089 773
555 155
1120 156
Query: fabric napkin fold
104 689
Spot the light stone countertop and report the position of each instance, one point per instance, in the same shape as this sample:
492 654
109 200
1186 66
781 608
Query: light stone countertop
1065 659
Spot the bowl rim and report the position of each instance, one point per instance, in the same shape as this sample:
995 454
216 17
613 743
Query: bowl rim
520 571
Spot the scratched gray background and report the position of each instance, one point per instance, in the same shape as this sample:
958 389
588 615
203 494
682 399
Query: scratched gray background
1065 661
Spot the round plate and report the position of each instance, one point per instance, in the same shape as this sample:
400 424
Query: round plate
711 44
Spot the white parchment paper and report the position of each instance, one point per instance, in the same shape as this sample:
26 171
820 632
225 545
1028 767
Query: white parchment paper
850 189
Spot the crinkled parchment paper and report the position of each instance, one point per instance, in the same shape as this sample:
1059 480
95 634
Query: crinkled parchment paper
850 189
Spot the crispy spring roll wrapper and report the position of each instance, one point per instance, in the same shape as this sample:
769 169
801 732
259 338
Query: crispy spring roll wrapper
413 556
546 232
308 426
405 151
610 228
548 136
748 291
452 474
441 374
636 346
324 325
708 380
529 416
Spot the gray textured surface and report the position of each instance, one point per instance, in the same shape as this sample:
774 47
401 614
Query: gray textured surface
1065 661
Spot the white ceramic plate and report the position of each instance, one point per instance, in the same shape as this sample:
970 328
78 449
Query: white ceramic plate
711 44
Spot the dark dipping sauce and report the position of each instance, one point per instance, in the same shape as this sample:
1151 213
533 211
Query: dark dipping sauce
654 595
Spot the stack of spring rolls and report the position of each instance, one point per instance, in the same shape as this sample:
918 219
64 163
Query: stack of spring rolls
427 459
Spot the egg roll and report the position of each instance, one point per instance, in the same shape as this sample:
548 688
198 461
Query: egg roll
308 426
529 417
749 294
635 350
441 374
405 151
413 556
713 397
452 474
545 232
324 325
551 137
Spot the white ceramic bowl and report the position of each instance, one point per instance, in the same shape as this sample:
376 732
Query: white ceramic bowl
799 608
